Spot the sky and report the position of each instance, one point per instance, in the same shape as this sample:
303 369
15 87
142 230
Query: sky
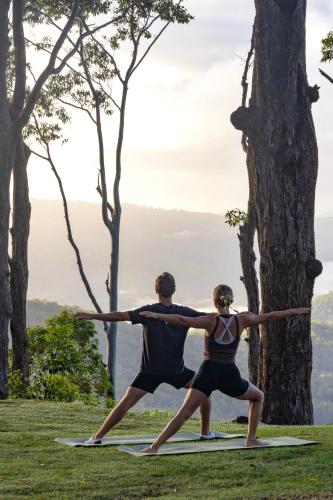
180 150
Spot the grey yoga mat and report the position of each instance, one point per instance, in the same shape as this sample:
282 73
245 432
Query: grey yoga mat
232 444
142 439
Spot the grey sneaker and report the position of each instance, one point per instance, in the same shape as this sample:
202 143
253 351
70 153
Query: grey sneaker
207 437
93 441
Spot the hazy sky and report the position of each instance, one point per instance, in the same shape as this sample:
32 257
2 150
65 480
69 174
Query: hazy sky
180 149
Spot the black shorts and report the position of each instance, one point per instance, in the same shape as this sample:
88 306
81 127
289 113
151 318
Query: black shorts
149 382
223 377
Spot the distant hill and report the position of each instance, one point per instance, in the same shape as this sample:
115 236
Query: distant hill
199 249
129 352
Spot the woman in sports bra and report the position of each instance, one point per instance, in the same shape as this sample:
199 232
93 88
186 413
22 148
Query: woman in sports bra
218 370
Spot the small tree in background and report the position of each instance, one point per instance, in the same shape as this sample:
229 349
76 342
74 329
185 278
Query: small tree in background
97 85
327 53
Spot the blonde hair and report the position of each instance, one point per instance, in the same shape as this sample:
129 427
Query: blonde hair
223 296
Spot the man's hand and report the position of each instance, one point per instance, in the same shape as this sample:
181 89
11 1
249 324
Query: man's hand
149 314
82 315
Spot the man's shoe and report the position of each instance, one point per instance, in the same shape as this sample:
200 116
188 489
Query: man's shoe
93 441
207 437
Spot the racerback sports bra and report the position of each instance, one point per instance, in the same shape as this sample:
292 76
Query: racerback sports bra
223 348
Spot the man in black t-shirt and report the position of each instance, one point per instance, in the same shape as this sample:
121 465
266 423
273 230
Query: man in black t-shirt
162 355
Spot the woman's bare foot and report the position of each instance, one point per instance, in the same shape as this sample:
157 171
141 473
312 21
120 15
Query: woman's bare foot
255 442
150 449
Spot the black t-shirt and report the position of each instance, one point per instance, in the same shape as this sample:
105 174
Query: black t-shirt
163 343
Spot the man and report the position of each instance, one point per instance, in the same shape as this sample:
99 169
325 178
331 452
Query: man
162 355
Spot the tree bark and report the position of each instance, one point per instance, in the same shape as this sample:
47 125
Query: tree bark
284 163
250 280
6 162
7 144
246 243
113 304
19 272
115 239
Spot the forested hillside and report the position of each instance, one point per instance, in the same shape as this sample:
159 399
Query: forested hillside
129 352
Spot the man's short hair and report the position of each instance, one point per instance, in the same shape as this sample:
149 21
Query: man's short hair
165 285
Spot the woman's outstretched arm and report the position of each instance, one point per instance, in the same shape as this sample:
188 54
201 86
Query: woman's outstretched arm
251 319
204 322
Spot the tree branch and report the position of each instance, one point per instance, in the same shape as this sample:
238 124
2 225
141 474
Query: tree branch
113 61
39 155
245 85
34 44
70 237
100 192
60 59
34 96
81 108
95 95
50 68
80 40
108 94
150 46
326 75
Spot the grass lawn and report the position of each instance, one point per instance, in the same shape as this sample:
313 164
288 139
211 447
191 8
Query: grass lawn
33 465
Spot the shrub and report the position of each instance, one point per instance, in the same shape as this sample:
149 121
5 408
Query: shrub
64 362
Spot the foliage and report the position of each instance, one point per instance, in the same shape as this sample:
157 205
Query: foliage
235 217
71 88
41 11
327 48
64 362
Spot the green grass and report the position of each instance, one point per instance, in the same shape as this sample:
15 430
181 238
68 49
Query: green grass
33 465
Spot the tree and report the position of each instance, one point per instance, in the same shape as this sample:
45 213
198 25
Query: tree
247 228
17 102
93 88
282 162
327 53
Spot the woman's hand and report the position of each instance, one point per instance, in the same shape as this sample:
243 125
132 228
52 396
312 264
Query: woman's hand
150 314
302 310
82 315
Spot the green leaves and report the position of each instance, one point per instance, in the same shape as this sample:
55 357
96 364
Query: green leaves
57 9
235 217
327 48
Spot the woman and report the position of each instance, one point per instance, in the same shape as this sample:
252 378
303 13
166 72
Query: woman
218 371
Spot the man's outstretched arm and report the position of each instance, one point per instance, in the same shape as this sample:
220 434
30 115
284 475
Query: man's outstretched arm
112 316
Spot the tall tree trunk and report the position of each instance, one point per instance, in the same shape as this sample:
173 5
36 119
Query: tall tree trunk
246 243
19 271
284 159
113 304
6 159
250 280
115 241
7 142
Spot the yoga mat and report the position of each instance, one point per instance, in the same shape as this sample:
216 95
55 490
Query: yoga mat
201 447
141 439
